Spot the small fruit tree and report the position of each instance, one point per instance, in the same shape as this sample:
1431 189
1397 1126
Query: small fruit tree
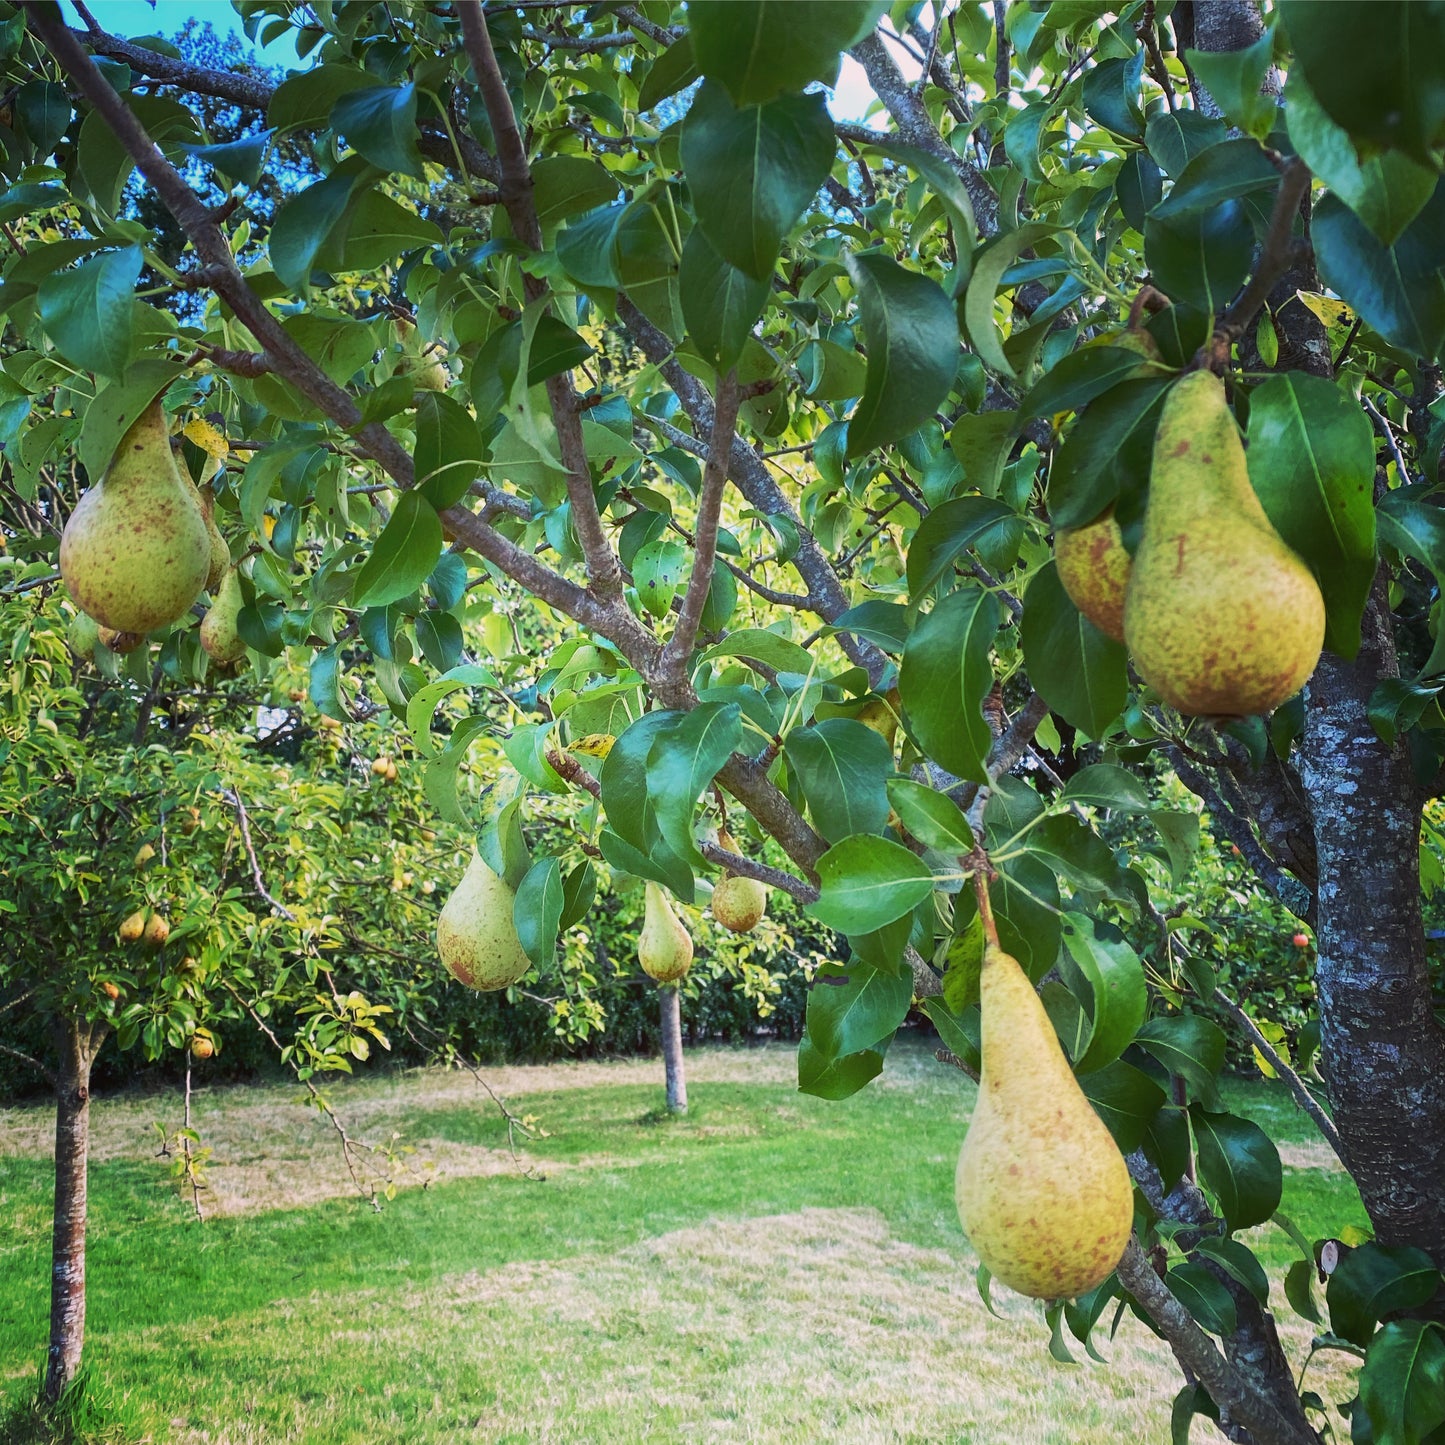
598 314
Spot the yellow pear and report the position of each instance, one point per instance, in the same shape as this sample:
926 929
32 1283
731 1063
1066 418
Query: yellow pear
1221 616
739 903
120 641
219 635
157 930
202 1045
664 948
1094 568
476 936
881 714
220 548
1042 1190
144 854
134 926
425 364
135 552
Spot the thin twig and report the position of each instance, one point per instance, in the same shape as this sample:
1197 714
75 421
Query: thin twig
746 867
233 797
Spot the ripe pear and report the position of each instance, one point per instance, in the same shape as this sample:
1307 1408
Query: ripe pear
157 930
1221 616
144 854
81 636
476 936
881 714
134 926
664 948
219 635
220 548
1042 1190
425 364
202 1045
739 903
135 552
1094 568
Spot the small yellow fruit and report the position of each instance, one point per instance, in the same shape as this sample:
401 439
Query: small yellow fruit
157 930
1094 567
110 990
664 947
134 926
121 641
144 854
201 1046
391 772
379 766
190 820
739 903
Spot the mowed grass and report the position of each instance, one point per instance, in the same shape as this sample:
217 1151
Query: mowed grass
771 1268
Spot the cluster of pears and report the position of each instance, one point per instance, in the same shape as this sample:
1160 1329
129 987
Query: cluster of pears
1043 1191
1222 618
141 546
476 934
147 926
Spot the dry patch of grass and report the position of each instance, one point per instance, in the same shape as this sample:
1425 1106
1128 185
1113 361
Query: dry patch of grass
813 1325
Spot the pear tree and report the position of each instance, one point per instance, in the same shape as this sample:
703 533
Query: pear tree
777 409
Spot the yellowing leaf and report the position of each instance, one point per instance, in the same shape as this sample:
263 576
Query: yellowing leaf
207 438
594 745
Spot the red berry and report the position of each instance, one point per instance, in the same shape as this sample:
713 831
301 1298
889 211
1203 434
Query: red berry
1301 940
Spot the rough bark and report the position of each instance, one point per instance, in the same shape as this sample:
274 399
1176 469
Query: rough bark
671 1007
67 1270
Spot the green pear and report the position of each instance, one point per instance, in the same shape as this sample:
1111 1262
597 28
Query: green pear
1094 568
220 548
120 641
664 948
425 364
1042 1190
82 635
219 634
1221 616
739 903
476 935
135 552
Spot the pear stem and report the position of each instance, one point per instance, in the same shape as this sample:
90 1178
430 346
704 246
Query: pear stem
981 874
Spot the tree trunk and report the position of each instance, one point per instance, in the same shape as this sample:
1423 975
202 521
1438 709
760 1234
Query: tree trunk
67 1270
672 1048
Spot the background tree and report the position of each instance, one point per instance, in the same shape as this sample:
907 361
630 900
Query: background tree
680 274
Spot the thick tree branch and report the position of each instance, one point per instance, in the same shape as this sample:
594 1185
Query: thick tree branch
746 867
675 654
45 1072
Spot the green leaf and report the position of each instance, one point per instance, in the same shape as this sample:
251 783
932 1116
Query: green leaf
855 1006
757 643
1203 1296
982 442
1180 834
1079 671
827 1078
422 706
237 160
946 185
537 910
404 554
1079 377
988 268
450 454
950 530
1239 1165
719 302
1402 1383
1108 452
912 351
931 817
565 186
43 111
1023 138
373 230
1353 55
1174 138
1111 95
657 573
1139 187
305 101
1105 785
579 889
1116 982
1398 289
841 766
944 677
960 1033
380 122
624 780
1187 1045
760 48
304 222
1385 191
867 882
1200 257
683 760
1126 1099
754 171
587 249
1224 172
882 623
1235 78
88 311
674 70
1374 1282
1312 462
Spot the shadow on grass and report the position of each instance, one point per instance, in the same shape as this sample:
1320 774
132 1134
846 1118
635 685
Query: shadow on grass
84 1415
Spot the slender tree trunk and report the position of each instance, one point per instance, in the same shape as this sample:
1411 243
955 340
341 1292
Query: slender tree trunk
67 1270
672 1048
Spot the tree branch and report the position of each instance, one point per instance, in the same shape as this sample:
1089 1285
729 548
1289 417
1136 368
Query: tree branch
233 797
604 572
46 1073
746 867
1276 255
675 654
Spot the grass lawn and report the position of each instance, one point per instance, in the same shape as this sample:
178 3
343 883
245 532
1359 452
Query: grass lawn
772 1268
